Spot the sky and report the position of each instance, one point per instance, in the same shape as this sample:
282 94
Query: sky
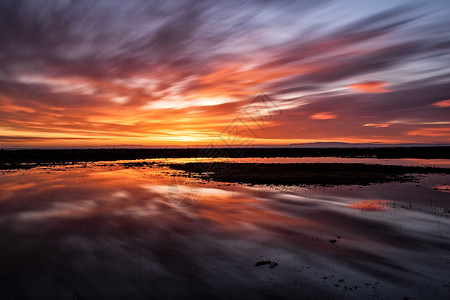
223 72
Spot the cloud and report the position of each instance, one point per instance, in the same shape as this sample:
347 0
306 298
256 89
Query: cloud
377 125
338 68
139 71
370 87
432 132
323 116
443 103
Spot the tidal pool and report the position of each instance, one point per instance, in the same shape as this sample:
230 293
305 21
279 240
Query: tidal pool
99 231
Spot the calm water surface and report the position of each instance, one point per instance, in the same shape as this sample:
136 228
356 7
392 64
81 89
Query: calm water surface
109 232
440 163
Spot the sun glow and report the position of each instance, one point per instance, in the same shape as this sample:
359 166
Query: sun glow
184 76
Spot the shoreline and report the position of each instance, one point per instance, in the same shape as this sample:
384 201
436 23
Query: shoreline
17 157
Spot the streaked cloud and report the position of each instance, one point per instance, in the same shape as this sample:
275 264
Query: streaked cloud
323 116
370 87
137 72
377 125
430 132
443 103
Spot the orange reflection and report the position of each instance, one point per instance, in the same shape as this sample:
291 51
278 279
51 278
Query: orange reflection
442 188
370 205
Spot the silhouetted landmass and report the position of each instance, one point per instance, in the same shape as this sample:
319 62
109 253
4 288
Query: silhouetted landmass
304 173
271 264
16 158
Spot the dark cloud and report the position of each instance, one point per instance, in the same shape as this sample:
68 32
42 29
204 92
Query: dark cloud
342 68
113 38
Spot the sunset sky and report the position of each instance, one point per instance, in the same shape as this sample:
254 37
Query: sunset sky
186 72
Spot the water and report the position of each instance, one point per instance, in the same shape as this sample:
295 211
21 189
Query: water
416 162
109 232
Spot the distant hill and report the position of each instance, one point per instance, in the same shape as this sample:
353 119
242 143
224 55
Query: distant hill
358 145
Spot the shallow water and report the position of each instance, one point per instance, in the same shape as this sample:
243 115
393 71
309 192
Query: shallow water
109 232
418 162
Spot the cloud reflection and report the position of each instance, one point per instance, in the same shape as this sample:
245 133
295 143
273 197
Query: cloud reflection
105 232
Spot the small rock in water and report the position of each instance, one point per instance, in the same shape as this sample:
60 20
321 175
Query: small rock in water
272 264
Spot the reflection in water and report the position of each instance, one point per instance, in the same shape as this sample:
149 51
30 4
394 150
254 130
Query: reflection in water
373 205
114 233
414 162
443 188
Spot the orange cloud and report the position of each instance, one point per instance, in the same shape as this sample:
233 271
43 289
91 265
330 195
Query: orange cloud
323 116
377 125
433 132
443 103
370 87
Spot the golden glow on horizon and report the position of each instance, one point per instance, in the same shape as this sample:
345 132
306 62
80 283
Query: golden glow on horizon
183 115
160 74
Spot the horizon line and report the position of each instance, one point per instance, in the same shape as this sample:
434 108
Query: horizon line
295 145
